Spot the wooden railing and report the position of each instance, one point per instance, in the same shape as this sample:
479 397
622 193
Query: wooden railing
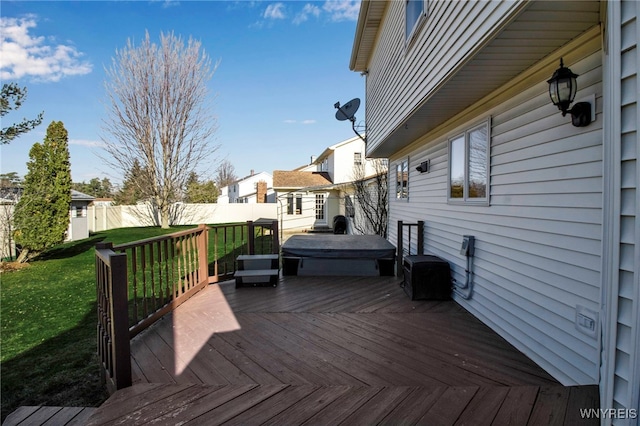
409 240
139 282
163 272
231 241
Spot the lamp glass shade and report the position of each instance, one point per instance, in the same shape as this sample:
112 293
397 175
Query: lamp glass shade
563 87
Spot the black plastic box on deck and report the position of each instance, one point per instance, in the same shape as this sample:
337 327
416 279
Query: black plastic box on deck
427 277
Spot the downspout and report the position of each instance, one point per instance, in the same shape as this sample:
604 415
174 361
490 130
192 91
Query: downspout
466 290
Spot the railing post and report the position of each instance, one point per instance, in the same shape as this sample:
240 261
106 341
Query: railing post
251 237
421 237
275 244
120 321
203 254
113 304
399 271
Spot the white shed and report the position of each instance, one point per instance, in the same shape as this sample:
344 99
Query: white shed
78 221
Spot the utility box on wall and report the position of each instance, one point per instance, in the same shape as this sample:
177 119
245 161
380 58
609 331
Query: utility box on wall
427 277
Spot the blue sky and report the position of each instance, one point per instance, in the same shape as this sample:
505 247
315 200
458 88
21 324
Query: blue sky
282 66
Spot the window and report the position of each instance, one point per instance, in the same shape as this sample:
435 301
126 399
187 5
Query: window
294 204
357 158
469 166
289 203
298 204
349 208
402 179
319 206
415 11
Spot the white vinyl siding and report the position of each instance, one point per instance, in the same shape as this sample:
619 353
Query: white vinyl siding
407 76
538 244
620 370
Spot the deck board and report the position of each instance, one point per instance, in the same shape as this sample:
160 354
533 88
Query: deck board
51 416
327 350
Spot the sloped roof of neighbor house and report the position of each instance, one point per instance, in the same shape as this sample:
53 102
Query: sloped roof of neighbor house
298 179
79 196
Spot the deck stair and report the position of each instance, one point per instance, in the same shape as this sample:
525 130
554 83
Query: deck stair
257 270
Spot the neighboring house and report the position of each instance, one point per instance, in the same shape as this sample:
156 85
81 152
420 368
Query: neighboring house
223 198
312 195
8 198
255 188
462 87
302 199
78 221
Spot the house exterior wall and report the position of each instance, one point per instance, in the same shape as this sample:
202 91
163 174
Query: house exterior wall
244 190
306 219
538 242
620 371
342 161
403 74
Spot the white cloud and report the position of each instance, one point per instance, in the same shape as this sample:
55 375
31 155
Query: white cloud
342 10
307 11
301 122
86 142
170 3
274 11
26 55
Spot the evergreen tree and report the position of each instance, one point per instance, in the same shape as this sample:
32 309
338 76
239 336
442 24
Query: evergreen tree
200 192
135 186
96 187
11 98
42 214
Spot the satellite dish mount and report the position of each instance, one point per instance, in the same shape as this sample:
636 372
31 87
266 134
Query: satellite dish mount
348 112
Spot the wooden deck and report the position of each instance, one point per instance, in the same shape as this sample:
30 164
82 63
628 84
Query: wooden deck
332 350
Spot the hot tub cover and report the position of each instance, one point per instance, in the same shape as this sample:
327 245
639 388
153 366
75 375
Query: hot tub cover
338 246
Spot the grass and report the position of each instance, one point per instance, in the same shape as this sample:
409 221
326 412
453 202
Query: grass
48 326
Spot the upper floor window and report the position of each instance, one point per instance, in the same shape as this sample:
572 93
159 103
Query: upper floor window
469 166
415 12
357 158
402 179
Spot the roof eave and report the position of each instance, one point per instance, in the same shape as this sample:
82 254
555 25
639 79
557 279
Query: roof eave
369 19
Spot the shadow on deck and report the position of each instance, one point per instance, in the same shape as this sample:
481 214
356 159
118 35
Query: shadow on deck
331 350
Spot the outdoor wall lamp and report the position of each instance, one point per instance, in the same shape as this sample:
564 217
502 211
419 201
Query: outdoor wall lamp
424 167
562 89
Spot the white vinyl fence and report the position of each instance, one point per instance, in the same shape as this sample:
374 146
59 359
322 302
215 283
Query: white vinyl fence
102 218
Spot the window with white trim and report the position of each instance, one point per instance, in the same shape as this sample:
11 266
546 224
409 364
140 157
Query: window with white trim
402 179
469 166
294 204
415 12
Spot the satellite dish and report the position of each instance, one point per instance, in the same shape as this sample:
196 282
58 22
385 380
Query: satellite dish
348 110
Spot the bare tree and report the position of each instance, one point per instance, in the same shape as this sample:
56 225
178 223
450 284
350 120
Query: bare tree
372 197
158 115
225 174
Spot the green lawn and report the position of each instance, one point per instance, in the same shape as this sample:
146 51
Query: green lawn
48 326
